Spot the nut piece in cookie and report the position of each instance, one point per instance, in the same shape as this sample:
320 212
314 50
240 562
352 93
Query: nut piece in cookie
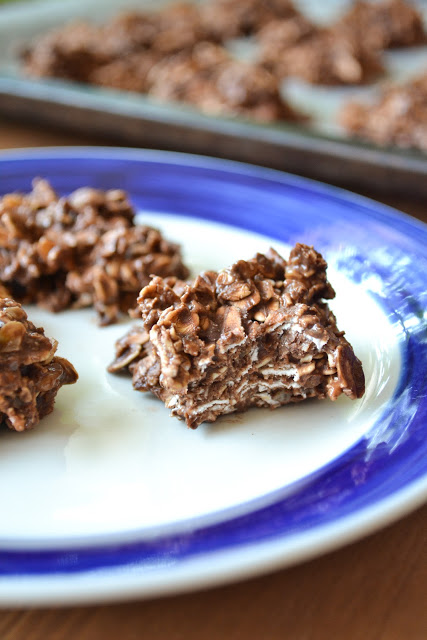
30 373
259 333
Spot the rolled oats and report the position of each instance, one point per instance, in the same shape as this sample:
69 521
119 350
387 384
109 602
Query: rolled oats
30 372
205 354
398 117
80 251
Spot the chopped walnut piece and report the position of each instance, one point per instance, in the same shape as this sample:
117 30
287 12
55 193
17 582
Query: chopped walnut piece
30 373
257 334
80 251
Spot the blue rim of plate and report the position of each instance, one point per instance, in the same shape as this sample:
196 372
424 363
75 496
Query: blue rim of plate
380 478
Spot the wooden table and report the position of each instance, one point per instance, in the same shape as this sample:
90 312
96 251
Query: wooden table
375 589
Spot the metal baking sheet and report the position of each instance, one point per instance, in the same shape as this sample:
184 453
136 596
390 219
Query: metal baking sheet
319 149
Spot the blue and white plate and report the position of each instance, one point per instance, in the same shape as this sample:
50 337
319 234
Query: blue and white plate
110 498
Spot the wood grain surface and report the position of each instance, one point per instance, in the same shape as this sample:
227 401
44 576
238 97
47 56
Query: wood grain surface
375 589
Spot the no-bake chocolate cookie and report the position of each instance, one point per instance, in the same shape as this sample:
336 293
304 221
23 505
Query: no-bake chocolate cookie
80 250
296 47
30 372
217 84
257 334
382 25
172 54
399 117
225 19
129 73
78 50
162 53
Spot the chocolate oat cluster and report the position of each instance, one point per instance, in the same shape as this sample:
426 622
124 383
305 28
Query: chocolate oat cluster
179 52
30 373
121 52
399 116
296 47
384 24
79 50
171 54
257 334
346 52
80 251
210 79
226 19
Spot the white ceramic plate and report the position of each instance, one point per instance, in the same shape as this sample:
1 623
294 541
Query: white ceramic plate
109 497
